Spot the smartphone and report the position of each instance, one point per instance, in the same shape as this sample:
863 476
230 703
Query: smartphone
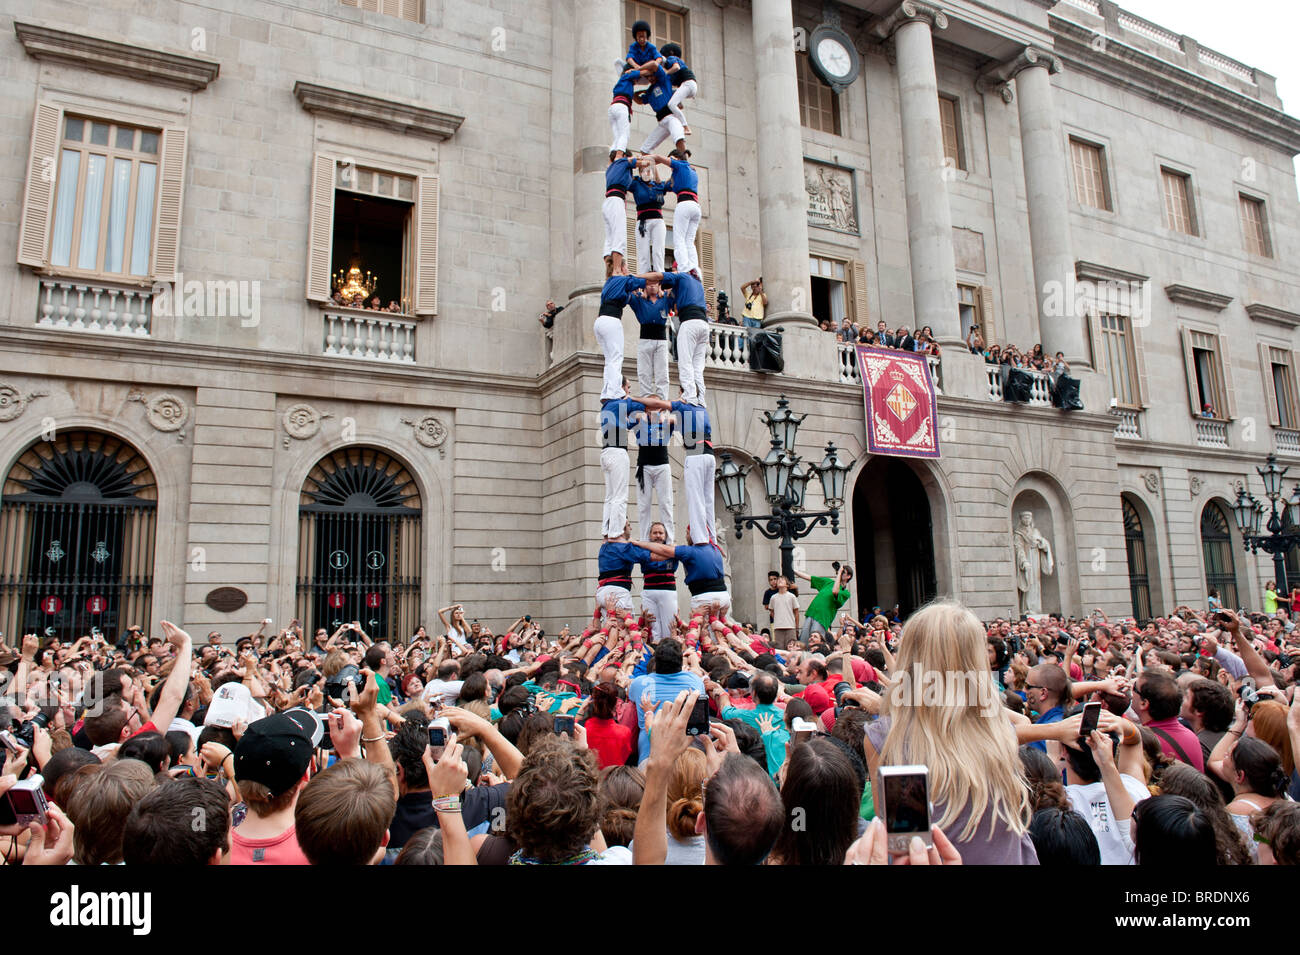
1091 714
563 726
12 742
439 730
802 730
699 722
905 800
24 803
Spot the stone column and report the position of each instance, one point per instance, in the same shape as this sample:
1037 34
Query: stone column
782 202
929 219
1049 212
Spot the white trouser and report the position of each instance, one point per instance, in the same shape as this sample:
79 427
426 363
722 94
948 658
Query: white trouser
663 604
609 334
697 479
658 481
614 465
621 594
615 211
686 91
692 347
686 222
669 128
720 597
650 247
652 367
620 124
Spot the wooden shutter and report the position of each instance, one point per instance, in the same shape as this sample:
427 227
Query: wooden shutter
1270 393
631 247
1140 365
1192 394
986 314
704 249
1229 395
38 201
320 230
171 189
426 247
858 273
409 10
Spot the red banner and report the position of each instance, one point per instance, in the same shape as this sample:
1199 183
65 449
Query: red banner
901 410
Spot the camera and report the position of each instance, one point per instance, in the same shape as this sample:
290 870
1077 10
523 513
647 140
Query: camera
27 729
336 687
438 731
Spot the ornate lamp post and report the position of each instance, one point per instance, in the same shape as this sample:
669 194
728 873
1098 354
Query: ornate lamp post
1249 515
785 482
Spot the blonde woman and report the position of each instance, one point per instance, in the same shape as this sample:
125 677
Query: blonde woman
685 803
944 712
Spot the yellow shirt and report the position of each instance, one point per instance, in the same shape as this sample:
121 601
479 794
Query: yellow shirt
754 306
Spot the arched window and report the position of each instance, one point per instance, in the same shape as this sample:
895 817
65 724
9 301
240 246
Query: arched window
1139 583
1216 549
77 538
359 545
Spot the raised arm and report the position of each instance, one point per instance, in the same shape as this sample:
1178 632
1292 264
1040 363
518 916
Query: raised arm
173 692
662 551
668 740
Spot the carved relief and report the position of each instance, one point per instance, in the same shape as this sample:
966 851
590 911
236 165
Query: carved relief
13 402
429 431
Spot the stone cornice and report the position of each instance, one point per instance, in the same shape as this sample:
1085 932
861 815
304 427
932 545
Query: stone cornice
906 12
998 78
1169 84
157 67
1093 272
1273 316
1186 295
370 110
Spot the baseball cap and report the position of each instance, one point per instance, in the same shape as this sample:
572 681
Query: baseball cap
309 722
274 751
232 703
818 698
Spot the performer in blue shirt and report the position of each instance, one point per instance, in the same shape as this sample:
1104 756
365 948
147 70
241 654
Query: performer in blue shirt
651 308
614 563
706 576
648 196
620 112
641 51
657 96
653 474
618 180
686 217
697 473
659 585
617 417
683 79
692 334
609 329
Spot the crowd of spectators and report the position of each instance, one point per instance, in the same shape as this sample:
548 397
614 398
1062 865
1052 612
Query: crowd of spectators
373 304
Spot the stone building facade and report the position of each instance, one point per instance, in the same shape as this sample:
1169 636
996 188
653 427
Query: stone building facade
191 430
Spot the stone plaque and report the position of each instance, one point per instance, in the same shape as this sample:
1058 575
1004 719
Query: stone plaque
832 196
226 599
968 250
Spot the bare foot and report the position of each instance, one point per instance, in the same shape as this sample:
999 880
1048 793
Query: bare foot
687 130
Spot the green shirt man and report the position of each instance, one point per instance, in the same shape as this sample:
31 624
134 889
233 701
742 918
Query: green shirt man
832 593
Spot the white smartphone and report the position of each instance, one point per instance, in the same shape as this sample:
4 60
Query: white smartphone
905 805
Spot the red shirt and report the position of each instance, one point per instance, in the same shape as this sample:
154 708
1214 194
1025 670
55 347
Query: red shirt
1185 738
612 741
280 850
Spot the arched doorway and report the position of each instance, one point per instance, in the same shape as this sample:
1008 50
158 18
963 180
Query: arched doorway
359 534
1216 550
77 529
893 537
1135 546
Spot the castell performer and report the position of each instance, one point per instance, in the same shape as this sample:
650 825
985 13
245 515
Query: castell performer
618 180
620 113
641 51
617 415
692 333
705 573
659 586
686 217
654 480
614 562
650 232
651 307
683 79
609 329
657 96
697 474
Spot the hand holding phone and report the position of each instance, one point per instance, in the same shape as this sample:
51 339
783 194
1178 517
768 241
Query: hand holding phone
905 799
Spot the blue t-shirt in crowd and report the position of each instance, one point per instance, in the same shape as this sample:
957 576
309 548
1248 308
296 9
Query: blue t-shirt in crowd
663 688
1054 715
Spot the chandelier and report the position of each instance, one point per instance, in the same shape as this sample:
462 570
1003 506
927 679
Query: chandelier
354 282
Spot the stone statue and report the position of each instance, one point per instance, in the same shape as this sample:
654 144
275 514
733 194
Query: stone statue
1033 560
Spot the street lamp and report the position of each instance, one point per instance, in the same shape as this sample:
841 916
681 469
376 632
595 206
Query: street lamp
785 484
1249 515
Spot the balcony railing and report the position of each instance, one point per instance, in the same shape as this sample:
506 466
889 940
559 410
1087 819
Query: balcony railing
1211 433
1127 423
374 336
728 347
850 374
1287 440
1040 389
84 307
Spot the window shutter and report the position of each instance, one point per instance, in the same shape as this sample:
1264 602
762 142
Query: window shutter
631 247
858 272
704 249
320 231
410 10
171 189
426 247
1140 363
986 313
1270 393
38 202
1092 324
1192 393
1229 395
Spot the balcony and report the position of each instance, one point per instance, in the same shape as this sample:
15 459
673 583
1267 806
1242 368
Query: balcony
850 374
373 336
1287 441
1127 423
1211 433
1040 393
728 347
74 306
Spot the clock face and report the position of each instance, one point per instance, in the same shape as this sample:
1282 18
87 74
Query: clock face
835 59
